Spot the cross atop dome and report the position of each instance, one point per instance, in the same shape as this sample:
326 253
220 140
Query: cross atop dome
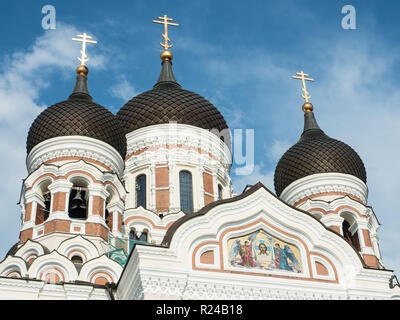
303 77
84 38
166 23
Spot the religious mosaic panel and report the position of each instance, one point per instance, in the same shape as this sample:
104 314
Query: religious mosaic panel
259 250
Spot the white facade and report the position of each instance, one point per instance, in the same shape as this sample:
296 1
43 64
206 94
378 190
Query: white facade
190 259
174 271
319 240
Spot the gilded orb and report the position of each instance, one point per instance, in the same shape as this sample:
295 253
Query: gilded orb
82 70
166 55
308 107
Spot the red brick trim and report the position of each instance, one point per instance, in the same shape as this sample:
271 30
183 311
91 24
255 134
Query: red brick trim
336 211
317 195
77 159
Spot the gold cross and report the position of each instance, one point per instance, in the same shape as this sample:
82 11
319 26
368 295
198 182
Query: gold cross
84 38
301 75
165 22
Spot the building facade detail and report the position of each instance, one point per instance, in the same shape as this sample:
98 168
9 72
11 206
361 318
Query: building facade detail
140 205
329 267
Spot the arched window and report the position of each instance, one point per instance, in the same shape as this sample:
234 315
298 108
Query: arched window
219 192
107 216
353 239
77 208
43 211
47 201
186 191
143 236
141 191
133 238
132 235
77 260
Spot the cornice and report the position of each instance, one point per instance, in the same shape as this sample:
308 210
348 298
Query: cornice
325 183
178 134
75 146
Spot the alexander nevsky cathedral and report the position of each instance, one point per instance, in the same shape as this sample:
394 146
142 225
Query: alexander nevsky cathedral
139 205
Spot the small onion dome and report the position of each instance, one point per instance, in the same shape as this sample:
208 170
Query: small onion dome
314 153
78 115
167 102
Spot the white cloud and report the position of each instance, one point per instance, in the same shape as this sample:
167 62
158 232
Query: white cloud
123 89
240 182
359 105
356 99
23 77
278 148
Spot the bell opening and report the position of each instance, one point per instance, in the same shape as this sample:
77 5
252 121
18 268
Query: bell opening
78 203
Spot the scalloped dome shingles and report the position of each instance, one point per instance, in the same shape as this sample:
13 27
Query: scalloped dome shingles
317 153
169 102
77 116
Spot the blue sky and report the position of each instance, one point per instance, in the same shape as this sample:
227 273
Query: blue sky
238 55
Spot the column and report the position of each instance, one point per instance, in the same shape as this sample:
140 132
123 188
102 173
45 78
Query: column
97 198
60 191
152 204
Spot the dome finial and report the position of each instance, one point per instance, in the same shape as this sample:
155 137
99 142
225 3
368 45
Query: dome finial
166 55
307 106
84 38
81 90
82 70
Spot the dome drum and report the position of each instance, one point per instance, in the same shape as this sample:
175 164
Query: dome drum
325 186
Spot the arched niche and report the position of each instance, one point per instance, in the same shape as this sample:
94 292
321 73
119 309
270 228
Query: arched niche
78 198
350 229
43 207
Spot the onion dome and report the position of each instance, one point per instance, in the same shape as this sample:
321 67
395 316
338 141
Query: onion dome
314 153
168 102
78 115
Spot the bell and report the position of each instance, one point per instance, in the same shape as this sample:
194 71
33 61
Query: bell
77 201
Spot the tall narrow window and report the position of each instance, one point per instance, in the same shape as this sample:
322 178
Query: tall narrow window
47 202
43 211
78 203
141 191
107 217
186 191
219 192
353 239
143 237
133 238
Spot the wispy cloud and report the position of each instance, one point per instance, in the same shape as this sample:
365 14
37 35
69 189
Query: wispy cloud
278 148
259 174
355 100
24 76
123 89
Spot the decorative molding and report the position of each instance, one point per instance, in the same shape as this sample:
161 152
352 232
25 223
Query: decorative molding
178 134
166 272
100 264
324 183
61 176
75 146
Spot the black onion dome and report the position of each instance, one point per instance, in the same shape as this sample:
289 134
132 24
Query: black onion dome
166 102
314 153
78 115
